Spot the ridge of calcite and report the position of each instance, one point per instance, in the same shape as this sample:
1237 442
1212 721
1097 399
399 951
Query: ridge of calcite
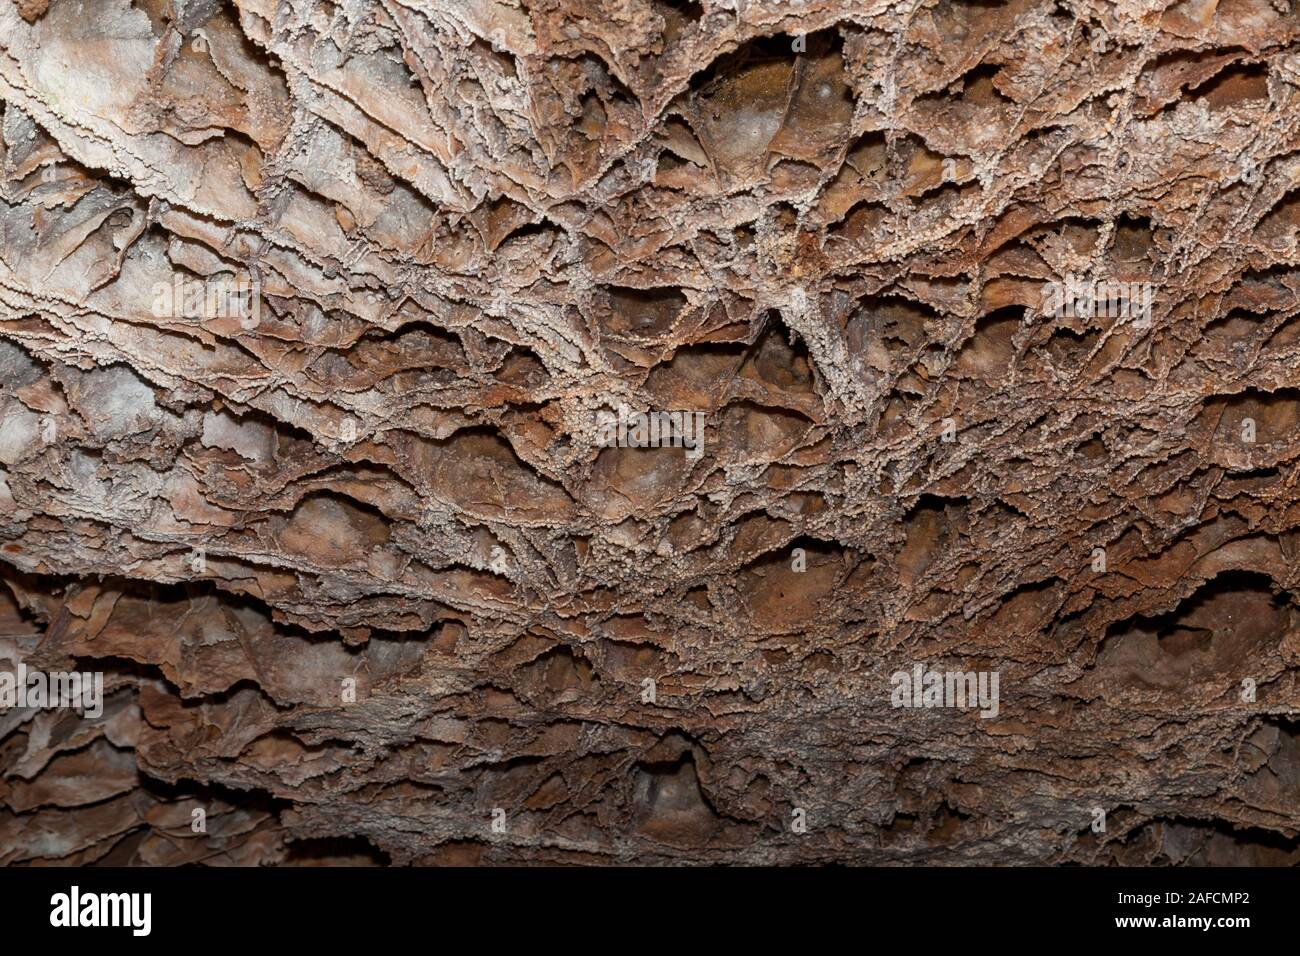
312 319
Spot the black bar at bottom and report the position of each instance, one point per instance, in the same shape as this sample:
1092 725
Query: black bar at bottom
334 907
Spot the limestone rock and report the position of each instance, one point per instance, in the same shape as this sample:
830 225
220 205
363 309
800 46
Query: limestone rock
314 319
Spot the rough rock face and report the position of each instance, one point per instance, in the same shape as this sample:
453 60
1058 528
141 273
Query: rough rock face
313 317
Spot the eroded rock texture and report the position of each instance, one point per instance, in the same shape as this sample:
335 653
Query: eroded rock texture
360 577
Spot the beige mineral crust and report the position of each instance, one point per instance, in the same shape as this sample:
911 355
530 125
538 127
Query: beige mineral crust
310 316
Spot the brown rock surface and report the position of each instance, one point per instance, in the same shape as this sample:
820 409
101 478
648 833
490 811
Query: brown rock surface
364 585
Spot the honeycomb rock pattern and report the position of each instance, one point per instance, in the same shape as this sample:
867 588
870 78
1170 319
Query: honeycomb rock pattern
363 581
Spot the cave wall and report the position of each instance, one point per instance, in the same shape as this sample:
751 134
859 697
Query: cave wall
313 318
